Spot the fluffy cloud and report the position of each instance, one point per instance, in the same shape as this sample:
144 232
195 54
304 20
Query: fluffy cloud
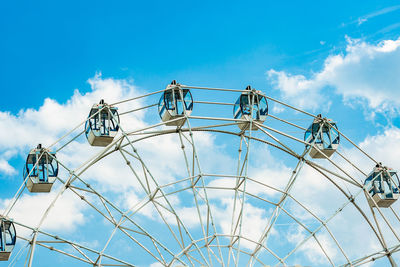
30 127
366 72
311 248
45 125
111 176
323 199
6 168
66 215
163 155
384 147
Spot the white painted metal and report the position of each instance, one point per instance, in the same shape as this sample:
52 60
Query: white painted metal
6 245
41 176
172 105
382 201
382 188
247 108
101 126
323 148
38 187
100 140
212 247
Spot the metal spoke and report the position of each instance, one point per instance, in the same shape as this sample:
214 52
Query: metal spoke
205 241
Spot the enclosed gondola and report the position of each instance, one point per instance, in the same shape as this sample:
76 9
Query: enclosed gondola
102 124
8 238
174 103
41 170
250 104
324 136
382 186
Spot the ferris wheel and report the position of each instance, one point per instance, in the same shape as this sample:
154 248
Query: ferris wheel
207 177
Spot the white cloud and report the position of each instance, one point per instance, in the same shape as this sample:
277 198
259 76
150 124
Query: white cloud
45 125
253 222
323 199
6 168
311 248
165 159
30 127
366 72
377 13
111 176
384 147
276 109
65 216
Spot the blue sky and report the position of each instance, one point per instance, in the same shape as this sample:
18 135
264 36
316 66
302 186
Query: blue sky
49 49
338 58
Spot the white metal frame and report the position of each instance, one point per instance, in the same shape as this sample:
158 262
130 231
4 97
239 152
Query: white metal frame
214 248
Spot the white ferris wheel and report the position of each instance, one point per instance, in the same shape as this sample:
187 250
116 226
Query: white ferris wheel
273 189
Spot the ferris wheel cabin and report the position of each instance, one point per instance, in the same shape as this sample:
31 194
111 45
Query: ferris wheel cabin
41 170
174 103
102 124
382 185
324 135
8 238
250 104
